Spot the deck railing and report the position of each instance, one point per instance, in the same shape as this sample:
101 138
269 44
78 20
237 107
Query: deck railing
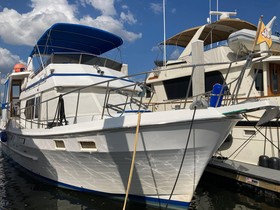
133 95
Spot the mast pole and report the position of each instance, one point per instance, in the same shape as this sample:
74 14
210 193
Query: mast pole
164 34
210 9
217 9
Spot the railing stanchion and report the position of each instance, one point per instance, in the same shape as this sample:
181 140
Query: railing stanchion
105 100
77 106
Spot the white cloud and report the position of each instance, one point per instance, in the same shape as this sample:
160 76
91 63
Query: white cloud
124 6
25 28
112 25
129 18
106 7
8 60
157 8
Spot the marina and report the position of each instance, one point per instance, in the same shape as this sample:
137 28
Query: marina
74 120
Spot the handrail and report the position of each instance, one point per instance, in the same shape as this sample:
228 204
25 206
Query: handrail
130 91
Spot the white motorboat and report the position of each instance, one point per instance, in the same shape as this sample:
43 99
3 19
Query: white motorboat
251 152
75 118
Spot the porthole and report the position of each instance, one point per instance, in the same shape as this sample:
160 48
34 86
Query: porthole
249 132
88 145
59 144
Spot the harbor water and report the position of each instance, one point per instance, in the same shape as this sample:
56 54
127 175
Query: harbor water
19 190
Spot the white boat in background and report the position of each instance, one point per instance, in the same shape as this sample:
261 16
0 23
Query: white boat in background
251 152
75 120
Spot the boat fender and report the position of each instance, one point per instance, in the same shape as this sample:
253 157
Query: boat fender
229 138
263 161
227 143
4 136
273 163
217 95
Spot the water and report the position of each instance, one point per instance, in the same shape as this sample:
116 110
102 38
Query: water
20 191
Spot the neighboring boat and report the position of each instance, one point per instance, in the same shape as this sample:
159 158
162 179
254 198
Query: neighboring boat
251 152
75 119
241 42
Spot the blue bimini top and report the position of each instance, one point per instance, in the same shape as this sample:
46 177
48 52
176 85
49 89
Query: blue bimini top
73 38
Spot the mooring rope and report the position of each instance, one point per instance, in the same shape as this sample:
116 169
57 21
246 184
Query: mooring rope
133 160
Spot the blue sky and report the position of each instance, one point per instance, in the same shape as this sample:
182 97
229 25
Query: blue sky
138 22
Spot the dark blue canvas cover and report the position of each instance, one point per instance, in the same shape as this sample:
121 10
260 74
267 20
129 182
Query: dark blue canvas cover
66 37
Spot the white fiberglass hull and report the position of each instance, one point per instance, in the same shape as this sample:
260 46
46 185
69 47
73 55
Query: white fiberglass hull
105 169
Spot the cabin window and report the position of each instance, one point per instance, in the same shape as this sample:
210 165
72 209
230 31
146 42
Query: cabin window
274 71
249 132
88 145
66 58
177 88
29 109
99 61
274 80
4 99
259 80
211 78
148 92
59 144
15 91
36 111
32 108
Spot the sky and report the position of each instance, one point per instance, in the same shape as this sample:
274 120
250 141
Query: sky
138 22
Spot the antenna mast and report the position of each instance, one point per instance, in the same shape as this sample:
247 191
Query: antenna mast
164 34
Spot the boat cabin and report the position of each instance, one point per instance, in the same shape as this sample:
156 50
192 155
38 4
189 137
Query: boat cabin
13 87
68 79
227 45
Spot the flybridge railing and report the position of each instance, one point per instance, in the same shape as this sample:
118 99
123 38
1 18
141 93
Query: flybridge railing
52 112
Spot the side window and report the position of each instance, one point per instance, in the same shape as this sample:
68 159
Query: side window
15 91
211 78
274 75
29 109
4 99
37 107
148 92
259 80
177 88
274 81
32 108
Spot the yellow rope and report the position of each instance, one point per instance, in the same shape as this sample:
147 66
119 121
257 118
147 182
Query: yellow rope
132 161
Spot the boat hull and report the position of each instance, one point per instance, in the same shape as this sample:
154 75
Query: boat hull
105 169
